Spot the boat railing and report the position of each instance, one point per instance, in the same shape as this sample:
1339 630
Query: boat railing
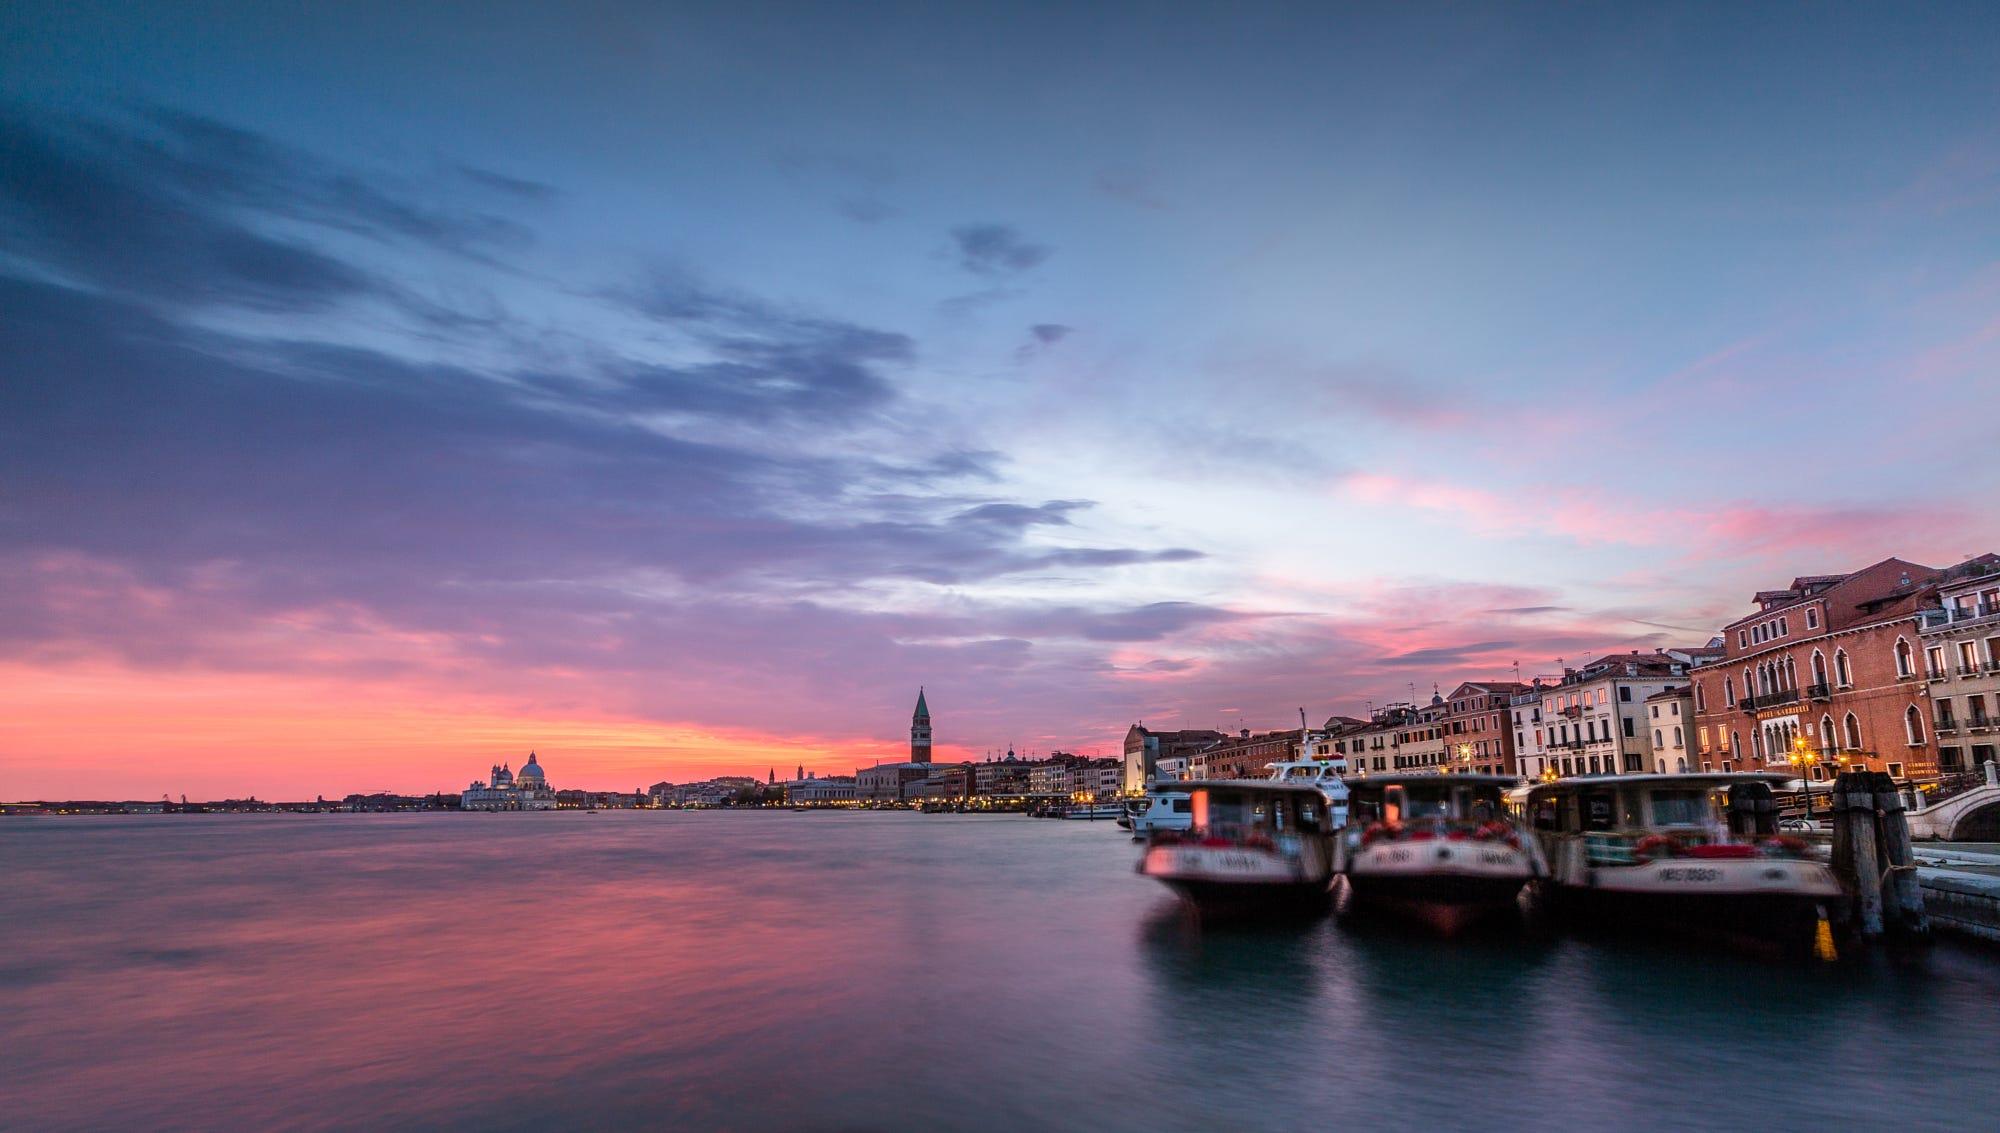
1637 847
1447 829
1231 836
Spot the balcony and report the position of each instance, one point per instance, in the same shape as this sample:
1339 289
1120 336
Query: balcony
1979 723
1934 673
1946 727
1769 700
1953 616
1971 670
1819 691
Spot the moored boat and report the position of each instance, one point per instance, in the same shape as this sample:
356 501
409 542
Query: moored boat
1165 806
1094 811
1697 854
1440 849
1251 847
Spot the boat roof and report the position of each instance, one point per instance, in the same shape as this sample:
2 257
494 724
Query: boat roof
1434 777
1281 785
1671 778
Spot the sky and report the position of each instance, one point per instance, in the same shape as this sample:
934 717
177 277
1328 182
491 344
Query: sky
387 391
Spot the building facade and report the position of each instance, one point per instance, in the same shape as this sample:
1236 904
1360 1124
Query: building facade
1961 647
1478 727
1596 720
1670 714
1831 666
1147 752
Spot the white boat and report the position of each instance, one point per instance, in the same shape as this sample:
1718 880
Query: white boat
1165 806
1695 853
1441 849
1094 811
1322 773
1252 846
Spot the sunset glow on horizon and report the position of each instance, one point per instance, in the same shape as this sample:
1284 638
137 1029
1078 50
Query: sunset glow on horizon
673 393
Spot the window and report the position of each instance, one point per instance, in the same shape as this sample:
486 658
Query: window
1843 672
1905 659
1783 629
1742 640
1628 727
1812 617
1656 711
1729 691
1896 772
1700 696
1659 738
1852 729
1913 723
1625 692
1678 740
1818 667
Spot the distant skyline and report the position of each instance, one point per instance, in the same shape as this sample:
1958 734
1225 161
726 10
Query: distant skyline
387 391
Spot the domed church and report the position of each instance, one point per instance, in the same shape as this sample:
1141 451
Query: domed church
506 790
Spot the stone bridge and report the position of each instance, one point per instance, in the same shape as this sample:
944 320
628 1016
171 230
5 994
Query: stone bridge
1968 816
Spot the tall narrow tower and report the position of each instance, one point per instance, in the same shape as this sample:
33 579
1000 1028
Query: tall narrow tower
920 730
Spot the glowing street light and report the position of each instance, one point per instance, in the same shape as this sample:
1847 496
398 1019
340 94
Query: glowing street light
1803 758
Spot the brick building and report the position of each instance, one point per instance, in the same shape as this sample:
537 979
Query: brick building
1830 664
1144 751
1477 731
1244 755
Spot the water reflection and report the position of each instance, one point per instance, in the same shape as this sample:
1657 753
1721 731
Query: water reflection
765 972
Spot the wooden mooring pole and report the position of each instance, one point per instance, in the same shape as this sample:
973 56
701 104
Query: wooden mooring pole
1872 856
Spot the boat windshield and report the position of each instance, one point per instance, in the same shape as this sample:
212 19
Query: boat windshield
1690 807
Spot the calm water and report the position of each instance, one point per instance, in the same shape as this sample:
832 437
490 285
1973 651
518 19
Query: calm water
870 971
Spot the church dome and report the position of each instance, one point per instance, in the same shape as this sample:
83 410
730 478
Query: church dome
531 771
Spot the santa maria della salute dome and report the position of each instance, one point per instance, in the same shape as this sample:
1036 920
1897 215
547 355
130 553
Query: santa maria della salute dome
505 789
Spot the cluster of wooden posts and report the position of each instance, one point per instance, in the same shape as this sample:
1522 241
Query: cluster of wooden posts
1872 855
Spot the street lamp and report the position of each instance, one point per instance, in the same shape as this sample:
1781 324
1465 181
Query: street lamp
1802 757
1465 757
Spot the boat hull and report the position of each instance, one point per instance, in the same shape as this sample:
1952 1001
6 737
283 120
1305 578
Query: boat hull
1231 881
1755 902
1449 886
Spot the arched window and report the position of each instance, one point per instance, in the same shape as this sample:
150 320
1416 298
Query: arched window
1663 767
1843 672
1701 696
1852 727
1913 723
1678 741
1729 691
1906 659
1681 765
1736 745
1818 667
1825 735
1659 738
1791 673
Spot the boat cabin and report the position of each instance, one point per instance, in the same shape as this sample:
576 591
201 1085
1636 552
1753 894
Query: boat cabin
1399 800
1723 807
1233 807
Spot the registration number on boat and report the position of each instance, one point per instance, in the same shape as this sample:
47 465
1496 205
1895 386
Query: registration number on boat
1685 873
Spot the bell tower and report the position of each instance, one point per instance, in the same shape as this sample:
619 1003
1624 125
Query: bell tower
920 730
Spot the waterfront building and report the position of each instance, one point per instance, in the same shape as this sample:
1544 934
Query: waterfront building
813 789
1836 661
1531 752
506 790
1398 737
1596 719
920 730
1008 776
1670 713
886 782
1244 756
1961 649
1052 776
942 781
1148 753
1477 727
